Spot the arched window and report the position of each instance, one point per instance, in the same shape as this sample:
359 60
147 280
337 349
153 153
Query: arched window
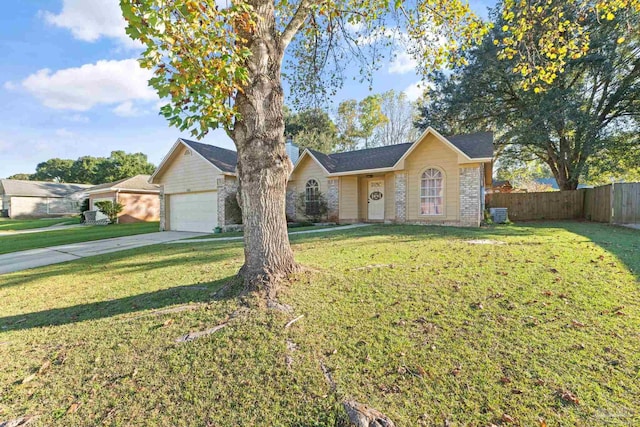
432 192
312 198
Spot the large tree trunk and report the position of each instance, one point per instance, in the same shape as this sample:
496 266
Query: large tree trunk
263 165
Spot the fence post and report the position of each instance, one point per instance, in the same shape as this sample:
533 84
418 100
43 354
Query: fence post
612 203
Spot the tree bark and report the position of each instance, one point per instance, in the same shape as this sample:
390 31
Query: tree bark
263 166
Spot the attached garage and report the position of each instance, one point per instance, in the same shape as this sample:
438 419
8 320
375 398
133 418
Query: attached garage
196 180
193 211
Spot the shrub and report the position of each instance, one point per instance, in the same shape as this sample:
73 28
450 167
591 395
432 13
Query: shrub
233 212
314 210
84 206
110 209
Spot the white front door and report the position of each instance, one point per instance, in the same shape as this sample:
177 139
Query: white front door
375 199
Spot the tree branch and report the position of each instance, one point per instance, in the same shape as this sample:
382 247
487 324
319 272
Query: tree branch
295 24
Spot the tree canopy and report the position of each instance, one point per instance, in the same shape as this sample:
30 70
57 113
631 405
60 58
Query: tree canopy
583 113
311 128
91 170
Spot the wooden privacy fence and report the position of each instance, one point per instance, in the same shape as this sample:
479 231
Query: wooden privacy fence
597 203
615 203
626 203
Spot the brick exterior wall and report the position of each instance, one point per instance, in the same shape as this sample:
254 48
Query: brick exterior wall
470 194
333 197
226 186
401 197
291 204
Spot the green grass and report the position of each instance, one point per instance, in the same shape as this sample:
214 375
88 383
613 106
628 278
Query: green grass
415 321
26 224
22 242
240 233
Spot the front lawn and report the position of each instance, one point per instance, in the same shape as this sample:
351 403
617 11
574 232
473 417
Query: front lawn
26 224
22 242
526 325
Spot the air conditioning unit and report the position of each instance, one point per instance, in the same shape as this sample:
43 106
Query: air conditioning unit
499 215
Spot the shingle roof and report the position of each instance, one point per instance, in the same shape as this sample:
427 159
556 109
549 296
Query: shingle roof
223 159
138 182
474 145
14 187
369 158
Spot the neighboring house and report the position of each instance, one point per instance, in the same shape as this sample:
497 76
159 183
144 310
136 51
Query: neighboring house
433 180
500 186
38 199
140 199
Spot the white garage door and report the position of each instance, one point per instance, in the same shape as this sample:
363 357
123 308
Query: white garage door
193 212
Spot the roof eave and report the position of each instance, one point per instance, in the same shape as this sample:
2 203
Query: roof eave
309 153
438 136
362 171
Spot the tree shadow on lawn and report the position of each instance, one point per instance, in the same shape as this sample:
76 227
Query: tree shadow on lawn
196 293
622 242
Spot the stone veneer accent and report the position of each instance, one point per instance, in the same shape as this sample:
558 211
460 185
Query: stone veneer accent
333 197
290 208
163 200
226 186
470 193
401 197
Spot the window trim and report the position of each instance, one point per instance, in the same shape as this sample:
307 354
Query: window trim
306 187
444 193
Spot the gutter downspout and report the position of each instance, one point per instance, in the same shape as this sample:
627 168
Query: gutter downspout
117 193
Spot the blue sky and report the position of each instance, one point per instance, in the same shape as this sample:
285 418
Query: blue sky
70 86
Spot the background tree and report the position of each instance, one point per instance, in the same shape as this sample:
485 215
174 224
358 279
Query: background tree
311 128
92 170
86 170
370 118
120 165
400 114
579 114
58 170
347 124
357 122
21 176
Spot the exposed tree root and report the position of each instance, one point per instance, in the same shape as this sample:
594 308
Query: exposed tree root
291 322
199 334
363 416
22 421
328 377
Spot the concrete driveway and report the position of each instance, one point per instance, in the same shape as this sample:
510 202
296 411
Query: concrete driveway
24 260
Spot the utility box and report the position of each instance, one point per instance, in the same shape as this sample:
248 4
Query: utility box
499 215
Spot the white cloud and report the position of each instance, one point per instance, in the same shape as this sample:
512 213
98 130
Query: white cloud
78 118
81 88
5 147
10 85
127 109
89 20
354 27
64 133
403 63
416 90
